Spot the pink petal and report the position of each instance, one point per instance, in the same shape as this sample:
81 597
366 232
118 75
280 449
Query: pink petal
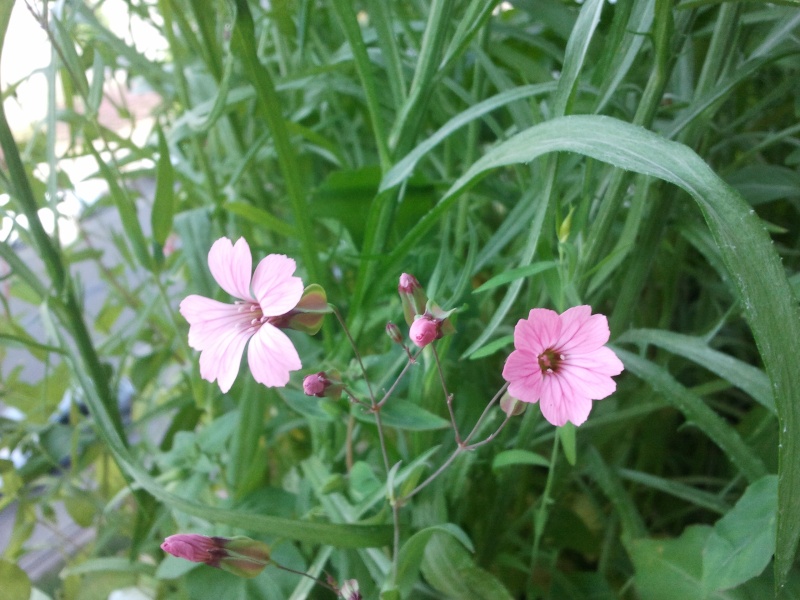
588 383
588 335
538 332
560 402
524 376
276 289
572 320
231 266
603 360
209 319
220 361
271 356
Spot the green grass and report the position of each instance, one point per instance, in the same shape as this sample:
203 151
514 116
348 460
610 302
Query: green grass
639 157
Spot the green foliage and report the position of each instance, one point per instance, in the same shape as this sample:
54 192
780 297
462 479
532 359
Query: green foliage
639 157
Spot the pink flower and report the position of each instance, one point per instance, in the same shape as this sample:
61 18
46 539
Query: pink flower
220 331
561 362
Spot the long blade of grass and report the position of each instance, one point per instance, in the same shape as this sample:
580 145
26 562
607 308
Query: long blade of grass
745 377
697 412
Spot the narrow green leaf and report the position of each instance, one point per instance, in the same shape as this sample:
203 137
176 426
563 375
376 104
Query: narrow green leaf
518 273
165 201
127 211
260 217
677 489
492 347
403 169
697 412
513 457
403 414
744 376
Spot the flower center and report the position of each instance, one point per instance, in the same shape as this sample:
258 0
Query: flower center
549 361
251 314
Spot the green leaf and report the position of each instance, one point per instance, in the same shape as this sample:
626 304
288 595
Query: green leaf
518 273
451 571
126 208
509 458
492 347
743 541
667 569
403 169
308 406
746 377
697 412
16 585
260 217
413 550
403 414
165 201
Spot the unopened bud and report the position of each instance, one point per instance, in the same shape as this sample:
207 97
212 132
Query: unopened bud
350 590
393 331
424 330
322 385
309 313
511 406
239 555
412 297
565 227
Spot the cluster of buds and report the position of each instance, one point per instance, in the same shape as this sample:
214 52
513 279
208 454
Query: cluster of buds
239 555
427 321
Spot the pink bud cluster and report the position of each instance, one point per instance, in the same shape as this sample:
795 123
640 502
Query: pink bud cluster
427 321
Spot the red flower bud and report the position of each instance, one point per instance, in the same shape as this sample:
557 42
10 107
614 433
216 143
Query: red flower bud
322 386
239 555
393 331
412 297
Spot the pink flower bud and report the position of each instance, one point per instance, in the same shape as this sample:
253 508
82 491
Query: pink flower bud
393 331
194 547
239 555
309 313
350 590
424 330
511 406
412 297
323 386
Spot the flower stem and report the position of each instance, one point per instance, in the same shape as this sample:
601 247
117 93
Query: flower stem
542 511
318 581
355 351
448 398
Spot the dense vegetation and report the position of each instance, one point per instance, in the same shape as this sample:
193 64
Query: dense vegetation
640 157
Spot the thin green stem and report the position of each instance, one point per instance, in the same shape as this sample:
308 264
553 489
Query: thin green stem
542 511
448 397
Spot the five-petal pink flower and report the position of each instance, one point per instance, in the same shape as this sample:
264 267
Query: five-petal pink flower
221 331
561 362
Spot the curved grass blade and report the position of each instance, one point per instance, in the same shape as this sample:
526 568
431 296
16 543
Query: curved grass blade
745 377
